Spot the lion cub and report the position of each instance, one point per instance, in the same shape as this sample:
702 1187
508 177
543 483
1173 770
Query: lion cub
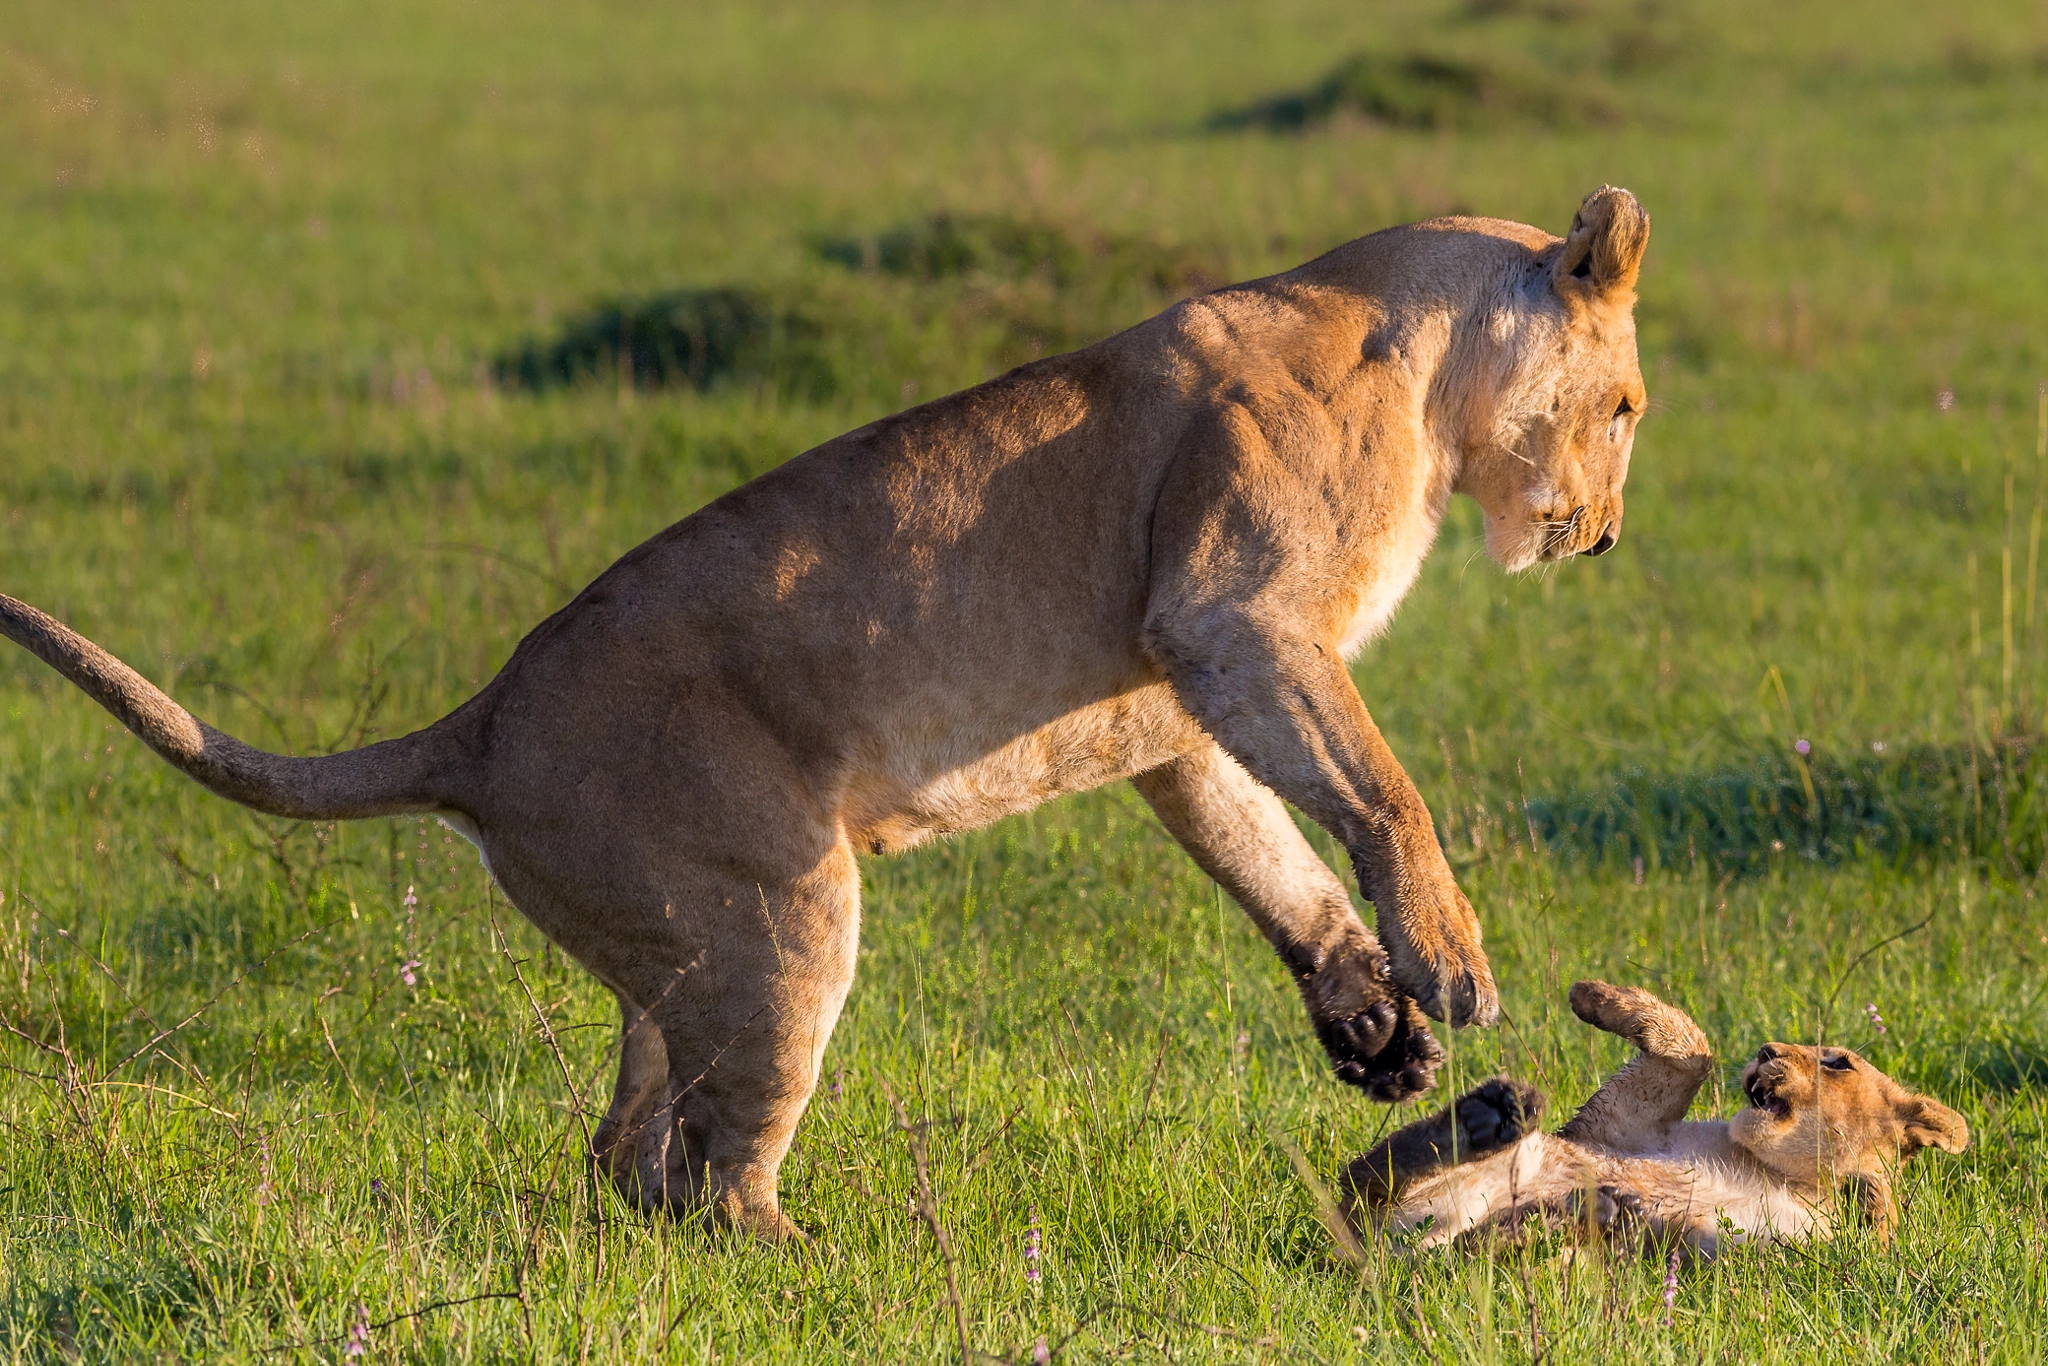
1820 1122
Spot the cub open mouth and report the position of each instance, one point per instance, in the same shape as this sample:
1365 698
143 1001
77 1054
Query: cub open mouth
1771 1103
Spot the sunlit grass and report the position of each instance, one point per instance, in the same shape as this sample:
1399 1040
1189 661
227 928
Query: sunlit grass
260 265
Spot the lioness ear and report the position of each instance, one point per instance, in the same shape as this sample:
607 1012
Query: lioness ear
1604 249
1930 1124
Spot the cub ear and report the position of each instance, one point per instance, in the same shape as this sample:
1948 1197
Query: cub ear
1604 249
1929 1124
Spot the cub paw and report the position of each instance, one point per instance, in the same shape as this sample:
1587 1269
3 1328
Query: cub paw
1604 1005
1497 1114
1608 1212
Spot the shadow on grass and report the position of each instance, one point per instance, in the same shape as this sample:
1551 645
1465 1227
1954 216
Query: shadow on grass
2019 1066
1923 802
1428 90
697 338
944 245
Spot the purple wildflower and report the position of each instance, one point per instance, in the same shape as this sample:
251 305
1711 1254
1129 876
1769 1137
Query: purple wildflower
376 1188
1802 747
1876 1020
1034 1246
358 1335
1670 1284
410 900
1041 1353
405 970
837 1077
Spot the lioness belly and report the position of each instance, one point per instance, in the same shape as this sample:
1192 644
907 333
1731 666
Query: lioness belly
917 784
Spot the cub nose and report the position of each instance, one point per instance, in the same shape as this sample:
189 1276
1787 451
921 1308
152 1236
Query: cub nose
1608 536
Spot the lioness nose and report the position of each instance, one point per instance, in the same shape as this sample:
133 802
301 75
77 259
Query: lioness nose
1608 536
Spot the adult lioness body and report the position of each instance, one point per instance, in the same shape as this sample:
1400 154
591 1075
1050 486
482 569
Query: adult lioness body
1145 559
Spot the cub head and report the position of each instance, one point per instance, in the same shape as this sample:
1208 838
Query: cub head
1825 1118
1562 390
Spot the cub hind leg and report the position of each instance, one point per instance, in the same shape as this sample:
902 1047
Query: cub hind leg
1637 1106
1492 1116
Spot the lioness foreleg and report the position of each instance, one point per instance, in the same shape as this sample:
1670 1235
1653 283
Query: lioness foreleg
1281 702
1242 836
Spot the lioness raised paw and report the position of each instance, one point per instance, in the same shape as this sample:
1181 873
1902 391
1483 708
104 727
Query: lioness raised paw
1401 1069
1433 948
1376 1038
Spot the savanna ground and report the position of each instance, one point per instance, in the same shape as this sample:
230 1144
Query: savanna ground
339 344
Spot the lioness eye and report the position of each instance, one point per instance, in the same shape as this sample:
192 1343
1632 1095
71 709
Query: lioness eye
1622 409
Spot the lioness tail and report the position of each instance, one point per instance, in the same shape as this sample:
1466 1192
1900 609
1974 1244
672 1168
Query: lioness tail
384 779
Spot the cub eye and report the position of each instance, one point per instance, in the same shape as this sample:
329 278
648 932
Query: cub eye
1838 1062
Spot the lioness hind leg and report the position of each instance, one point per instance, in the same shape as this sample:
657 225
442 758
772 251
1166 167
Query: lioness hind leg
1493 1115
730 974
636 1096
744 1035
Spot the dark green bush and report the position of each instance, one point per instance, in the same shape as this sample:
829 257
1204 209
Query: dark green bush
693 337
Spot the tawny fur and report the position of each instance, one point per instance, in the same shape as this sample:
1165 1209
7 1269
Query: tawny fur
1823 1130
1147 559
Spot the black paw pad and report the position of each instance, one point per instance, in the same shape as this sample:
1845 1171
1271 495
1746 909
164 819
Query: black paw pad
1403 1067
1498 1113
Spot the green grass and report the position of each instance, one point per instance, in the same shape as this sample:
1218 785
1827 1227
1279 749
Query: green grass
264 267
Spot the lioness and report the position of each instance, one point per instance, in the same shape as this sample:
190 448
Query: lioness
1820 1123
1147 559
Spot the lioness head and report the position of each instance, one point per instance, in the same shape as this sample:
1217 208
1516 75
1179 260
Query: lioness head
1561 390
1824 1117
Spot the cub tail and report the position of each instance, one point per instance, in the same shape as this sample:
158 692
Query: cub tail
414 773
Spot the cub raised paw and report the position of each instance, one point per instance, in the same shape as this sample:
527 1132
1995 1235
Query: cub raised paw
1496 1114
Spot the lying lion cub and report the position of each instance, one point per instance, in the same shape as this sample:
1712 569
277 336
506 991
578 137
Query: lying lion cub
1820 1122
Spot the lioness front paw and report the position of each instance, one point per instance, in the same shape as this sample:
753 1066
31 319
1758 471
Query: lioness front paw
1436 957
1400 1069
1497 1114
1376 1038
